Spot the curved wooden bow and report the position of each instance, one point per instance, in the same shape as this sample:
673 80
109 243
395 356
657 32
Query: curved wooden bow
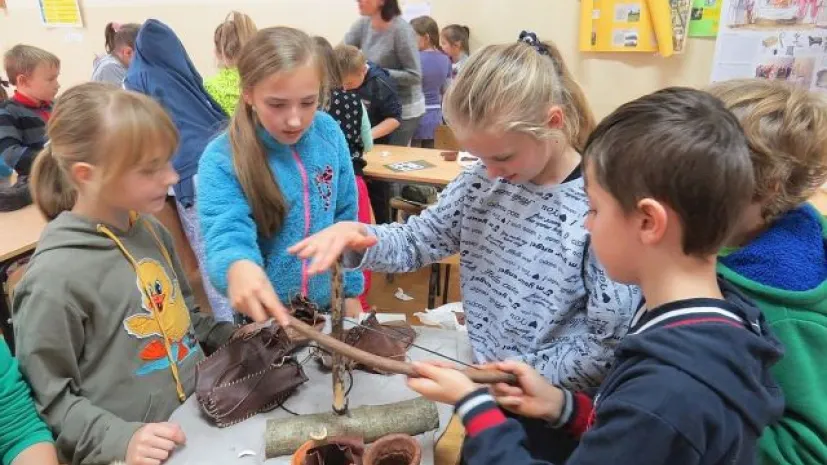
388 365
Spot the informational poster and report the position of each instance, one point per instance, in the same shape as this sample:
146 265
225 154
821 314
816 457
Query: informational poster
706 18
60 13
773 39
634 25
415 8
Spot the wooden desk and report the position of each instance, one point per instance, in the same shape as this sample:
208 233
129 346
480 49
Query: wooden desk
442 173
19 233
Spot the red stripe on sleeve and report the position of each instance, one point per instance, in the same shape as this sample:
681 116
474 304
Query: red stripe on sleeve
485 420
583 410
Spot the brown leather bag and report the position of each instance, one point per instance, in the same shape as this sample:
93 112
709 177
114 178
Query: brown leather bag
252 373
394 449
390 340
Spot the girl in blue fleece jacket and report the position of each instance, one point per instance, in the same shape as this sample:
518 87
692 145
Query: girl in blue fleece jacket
280 173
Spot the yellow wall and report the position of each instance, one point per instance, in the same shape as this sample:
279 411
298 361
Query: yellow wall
609 79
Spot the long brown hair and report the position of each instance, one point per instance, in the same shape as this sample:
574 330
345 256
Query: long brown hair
575 104
119 35
332 70
457 34
426 26
271 51
231 35
102 125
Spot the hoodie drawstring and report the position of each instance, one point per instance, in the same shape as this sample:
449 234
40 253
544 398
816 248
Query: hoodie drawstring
148 293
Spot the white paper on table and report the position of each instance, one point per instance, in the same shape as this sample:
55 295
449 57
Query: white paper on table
400 294
445 317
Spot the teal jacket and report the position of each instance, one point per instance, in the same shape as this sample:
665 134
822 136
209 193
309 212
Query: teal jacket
784 271
20 425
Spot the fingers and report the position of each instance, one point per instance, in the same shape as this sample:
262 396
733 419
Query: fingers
272 305
300 248
326 257
510 402
506 390
253 309
426 387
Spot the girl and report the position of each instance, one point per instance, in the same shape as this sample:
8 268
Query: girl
454 42
531 288
230 36
387 40
436 70
108 334
346 108
24 438
282 171
120 47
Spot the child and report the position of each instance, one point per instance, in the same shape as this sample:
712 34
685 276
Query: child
777 254
531 288
230 36
454 42
346 108
24 438
436 71
120 48
23 118
162 69
376 89
281 172
107 331
667 175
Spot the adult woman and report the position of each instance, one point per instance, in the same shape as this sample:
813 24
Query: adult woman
388 40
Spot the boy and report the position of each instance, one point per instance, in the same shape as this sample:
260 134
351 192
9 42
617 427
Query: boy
667 176
778 255
376 89
23 117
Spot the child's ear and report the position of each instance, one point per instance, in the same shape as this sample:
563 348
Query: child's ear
82 173
556 117
247 96
653 221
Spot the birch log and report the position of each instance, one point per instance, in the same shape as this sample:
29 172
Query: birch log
412 417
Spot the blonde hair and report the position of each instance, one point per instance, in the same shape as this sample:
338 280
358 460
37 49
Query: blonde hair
270 51
786 127
351 60
332 70
21 60
231 35
102 125
511 88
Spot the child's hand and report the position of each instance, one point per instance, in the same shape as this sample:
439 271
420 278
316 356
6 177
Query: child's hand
534 397
326 246
152 444
441 382
252 294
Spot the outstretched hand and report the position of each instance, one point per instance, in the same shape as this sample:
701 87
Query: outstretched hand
533 396
252 294
325 247
440 382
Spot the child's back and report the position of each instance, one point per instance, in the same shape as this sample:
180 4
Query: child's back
378 93
779 257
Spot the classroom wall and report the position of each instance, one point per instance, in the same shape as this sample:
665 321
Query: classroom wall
609 79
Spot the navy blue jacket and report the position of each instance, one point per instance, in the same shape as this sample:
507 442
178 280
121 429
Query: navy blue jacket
162 70
378 93
691 385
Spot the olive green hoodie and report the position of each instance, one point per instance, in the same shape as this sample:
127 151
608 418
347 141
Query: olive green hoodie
108 333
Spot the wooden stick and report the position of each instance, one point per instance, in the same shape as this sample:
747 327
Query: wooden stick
387 365
338 318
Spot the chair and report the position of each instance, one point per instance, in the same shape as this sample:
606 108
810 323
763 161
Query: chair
444 138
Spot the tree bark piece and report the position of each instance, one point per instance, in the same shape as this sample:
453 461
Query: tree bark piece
338 331
412 417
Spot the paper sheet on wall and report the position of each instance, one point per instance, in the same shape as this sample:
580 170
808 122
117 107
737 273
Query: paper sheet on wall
773 39
706 18
60 13
634 25
414 9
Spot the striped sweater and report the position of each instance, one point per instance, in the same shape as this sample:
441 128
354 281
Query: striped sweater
22 133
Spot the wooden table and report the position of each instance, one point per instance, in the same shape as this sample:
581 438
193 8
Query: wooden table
442 173
19 233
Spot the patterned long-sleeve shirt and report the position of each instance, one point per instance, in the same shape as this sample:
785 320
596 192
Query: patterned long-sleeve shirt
531 288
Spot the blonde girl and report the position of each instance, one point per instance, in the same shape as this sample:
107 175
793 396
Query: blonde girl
229 38
119 42
281 172
108 333
531 288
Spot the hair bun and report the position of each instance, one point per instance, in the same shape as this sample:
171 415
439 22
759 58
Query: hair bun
531 39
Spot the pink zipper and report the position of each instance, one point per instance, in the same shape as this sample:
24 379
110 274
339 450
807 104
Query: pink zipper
306 195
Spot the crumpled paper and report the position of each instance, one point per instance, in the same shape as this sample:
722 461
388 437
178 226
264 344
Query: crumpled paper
449 316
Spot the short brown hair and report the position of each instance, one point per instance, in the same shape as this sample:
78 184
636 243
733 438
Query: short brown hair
350 59
786 127
21 60
682 147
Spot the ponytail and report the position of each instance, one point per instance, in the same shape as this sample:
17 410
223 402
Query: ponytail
109 37
231 35
3 95
580 119
460 35
51 191
266 200
118 35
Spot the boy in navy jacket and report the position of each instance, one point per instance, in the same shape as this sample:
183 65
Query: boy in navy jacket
667 176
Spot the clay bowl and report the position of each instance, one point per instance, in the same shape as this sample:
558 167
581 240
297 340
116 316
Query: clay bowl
394 449
301 453
449 156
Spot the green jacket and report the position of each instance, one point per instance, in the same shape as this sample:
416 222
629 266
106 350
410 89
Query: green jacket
225 88
20 425
108 333
784 271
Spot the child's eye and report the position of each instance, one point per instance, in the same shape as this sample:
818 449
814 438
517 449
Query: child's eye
277 106
591 211
308 104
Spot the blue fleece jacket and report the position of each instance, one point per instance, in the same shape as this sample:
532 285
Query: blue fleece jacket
162 70
691 386
230 233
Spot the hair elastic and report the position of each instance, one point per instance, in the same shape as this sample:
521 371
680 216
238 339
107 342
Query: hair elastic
530 38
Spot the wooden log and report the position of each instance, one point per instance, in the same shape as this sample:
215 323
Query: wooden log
412 417
338 331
